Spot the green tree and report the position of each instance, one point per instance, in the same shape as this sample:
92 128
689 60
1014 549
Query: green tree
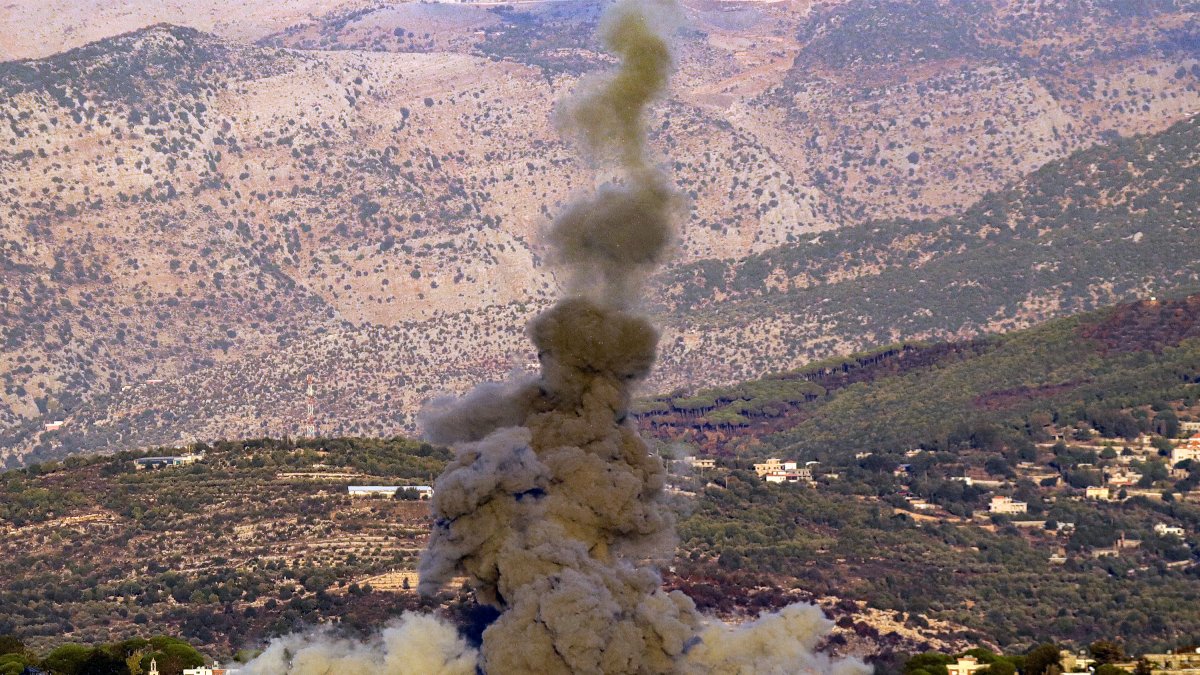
102 662
11 644
1106 651
1000 667
929 663
173 655
13 664
1041 659
66 659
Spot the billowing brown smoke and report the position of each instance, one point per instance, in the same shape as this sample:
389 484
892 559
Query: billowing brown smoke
609 242
553 505
413 645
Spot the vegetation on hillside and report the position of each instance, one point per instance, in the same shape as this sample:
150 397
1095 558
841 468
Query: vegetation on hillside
259 538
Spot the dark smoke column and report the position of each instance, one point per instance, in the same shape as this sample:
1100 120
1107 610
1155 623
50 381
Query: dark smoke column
553 502
553 498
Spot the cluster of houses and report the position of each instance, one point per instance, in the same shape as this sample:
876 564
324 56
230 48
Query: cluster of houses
1182 662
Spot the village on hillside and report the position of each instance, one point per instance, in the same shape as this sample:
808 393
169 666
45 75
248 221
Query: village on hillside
1081 467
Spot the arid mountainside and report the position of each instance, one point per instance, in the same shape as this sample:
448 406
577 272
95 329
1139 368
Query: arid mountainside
191 223
38 28
1113 222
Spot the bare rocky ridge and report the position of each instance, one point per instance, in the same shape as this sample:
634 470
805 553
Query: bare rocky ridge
190 223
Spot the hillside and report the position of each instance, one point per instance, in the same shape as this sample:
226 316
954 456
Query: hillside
939 395
915 438
260 538
192 223
1113 222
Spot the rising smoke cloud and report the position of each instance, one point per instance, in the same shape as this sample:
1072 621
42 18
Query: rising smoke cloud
553 506
415 645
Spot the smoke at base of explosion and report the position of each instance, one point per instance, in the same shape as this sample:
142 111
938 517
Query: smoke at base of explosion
553 504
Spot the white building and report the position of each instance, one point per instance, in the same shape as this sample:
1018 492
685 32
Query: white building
1075 664
214 669
1006 505
160 462
701 463
1189 449
774 465
424 491
1162 530
1098 493
965 666
793 475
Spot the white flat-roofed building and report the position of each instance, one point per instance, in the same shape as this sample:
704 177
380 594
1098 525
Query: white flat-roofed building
965 666
424 491
1162 530
803 475
214 669
774 465
1006 505
1189 449
160 462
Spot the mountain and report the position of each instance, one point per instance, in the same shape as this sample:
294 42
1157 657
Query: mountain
39 29
1112 222
192 223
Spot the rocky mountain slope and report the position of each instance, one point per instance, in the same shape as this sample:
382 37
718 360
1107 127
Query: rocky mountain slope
1112 222
191 224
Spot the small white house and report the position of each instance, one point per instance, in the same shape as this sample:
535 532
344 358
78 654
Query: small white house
424 491
965 666
214 669
161 462
801 475
1162 530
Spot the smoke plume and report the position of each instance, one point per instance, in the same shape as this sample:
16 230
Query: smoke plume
415 645
553 506
609 242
